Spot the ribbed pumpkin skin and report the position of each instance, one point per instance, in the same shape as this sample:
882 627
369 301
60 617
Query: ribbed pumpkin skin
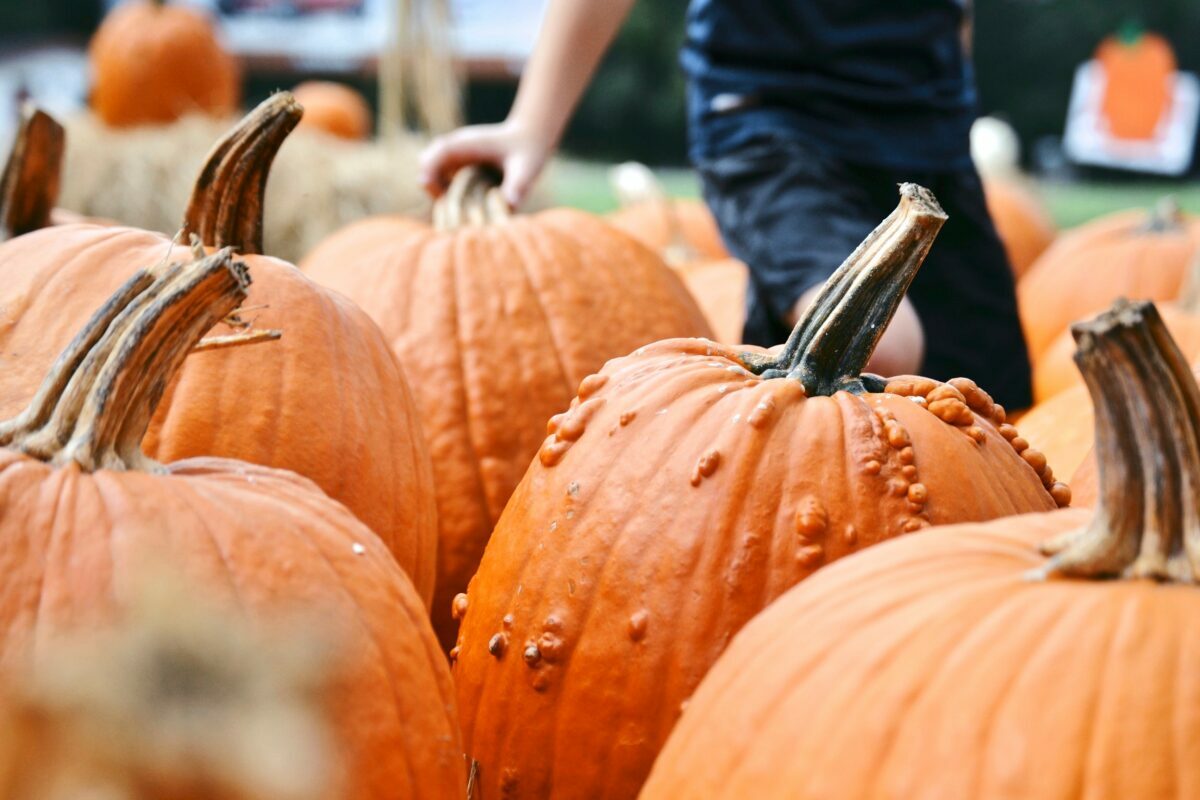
152 64
272 545
676 499
1062 428
650 223
1089 267
327 401
1055 370
929 667
496 326
1024 225
720 290
333 108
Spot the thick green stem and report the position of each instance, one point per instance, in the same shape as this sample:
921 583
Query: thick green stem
29 183
473 198
1147 522
97 401
226 207
834 339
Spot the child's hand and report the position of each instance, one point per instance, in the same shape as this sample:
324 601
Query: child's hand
517 152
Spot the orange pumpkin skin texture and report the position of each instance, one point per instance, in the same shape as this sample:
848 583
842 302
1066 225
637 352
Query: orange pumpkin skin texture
661 224
84 512
328 401
1023 223
1062 428
964 662
334 108
682 486
720 290
144 59
1139 78
550 296
1127 254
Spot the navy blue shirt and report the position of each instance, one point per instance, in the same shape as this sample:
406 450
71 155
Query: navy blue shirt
881 83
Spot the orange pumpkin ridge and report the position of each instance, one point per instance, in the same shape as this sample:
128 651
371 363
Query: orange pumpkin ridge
329 401
84 509
985 660
687 485
29 183
550 296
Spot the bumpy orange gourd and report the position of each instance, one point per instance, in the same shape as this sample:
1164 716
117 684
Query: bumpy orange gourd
496 319
83 512
688 485
328 401
1139 73
1022 221
334 108
1127 254
153 63
963 662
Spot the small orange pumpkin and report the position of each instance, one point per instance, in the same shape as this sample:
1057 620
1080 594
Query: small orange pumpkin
1127 254
329 401
496 318
682 230
83 510
1022 221
688 485
333 108
153 63
964 663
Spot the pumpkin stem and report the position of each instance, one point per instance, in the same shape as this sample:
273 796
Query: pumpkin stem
1165 216
473 198
1147 522
29 183
97 401
226 207
834 339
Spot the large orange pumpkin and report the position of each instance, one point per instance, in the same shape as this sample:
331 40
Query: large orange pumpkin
1139 75
1022 221
1127 254
688 485
964 663
328 401
334 108
152 63
497 319
83 511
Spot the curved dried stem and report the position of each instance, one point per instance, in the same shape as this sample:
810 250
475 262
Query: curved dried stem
473 198
1147 522
226 207
832 343
30 181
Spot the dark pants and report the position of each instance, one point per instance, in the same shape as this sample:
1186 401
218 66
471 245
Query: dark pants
793 214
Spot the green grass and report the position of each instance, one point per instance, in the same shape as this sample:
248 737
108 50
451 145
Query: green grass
584 184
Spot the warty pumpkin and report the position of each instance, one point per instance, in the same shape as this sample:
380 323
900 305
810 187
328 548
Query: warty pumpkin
1127 254
152 63
496 319
328 401
688 485
966 663
1025 226
83 510
333 108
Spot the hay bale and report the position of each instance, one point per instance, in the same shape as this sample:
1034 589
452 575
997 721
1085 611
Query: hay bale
143 177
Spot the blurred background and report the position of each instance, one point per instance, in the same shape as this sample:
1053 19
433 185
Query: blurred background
1030 58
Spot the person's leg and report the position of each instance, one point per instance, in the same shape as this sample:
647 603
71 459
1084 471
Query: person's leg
966 299
793 214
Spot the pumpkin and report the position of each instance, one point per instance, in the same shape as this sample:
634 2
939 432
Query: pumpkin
1139 80
1061 428
328 401
1127 254
496 319
719 288
84 511
334 108
688 485
1022 221
966 663
29 183
682 230
152 63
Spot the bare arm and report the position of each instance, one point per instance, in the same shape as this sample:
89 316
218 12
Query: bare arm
574 37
